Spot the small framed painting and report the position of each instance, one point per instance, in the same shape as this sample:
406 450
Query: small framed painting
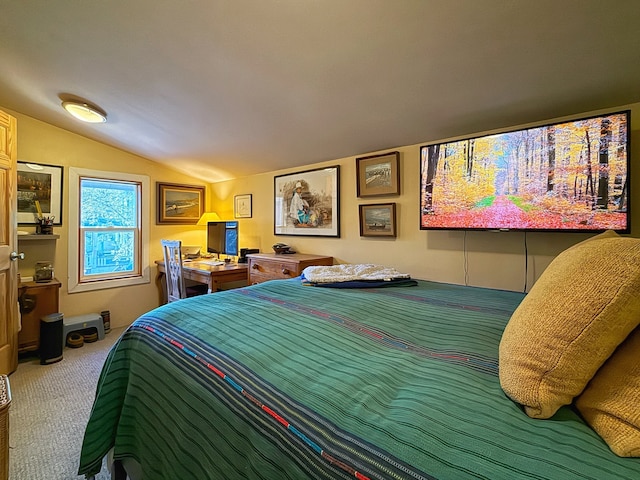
378 175
242 206
39 193
179 204
378 220
308 203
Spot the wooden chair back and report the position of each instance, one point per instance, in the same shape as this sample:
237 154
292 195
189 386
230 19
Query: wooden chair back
174 278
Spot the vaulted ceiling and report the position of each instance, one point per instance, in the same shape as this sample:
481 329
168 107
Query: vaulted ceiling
227 88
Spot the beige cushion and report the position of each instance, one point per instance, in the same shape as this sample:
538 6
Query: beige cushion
611 401
581 308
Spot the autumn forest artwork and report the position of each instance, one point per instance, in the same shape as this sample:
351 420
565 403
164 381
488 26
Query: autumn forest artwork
565 176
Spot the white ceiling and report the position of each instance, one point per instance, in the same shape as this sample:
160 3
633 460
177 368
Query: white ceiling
228 88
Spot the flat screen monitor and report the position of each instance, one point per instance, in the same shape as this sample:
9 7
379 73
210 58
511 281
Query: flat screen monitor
222 238
570 176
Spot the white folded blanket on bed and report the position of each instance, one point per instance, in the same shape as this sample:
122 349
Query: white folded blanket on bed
350 272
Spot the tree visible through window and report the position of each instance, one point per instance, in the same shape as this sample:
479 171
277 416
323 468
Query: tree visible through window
108 229
109 225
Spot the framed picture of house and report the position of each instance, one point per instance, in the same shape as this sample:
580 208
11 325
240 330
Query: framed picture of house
179 204
242 206
39 193
378 220
308 203
378 175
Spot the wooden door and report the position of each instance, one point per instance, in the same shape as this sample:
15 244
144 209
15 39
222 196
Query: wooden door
8 244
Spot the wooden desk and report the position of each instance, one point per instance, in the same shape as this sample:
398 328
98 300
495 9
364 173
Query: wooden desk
211 275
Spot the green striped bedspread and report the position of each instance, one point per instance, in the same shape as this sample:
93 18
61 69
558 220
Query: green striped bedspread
283 381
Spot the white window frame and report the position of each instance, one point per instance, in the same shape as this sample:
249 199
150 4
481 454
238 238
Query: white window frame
74 283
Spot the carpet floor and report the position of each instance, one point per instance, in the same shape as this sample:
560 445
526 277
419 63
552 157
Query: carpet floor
49 409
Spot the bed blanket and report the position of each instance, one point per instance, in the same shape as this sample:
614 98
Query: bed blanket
280 381
350 273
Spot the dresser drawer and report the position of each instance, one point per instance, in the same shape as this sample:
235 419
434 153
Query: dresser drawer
265 266
273 269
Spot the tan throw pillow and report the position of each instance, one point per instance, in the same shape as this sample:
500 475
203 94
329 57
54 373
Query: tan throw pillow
611 401
581 308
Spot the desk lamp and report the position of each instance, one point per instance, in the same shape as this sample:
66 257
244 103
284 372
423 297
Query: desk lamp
208 217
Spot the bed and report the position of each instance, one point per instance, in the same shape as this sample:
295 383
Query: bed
286 381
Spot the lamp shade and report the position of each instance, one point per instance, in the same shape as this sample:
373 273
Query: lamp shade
208 217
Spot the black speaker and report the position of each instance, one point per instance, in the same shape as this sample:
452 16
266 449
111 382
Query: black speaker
51 342
246 251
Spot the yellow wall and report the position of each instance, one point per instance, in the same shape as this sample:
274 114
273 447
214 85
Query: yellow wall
487 259
39 142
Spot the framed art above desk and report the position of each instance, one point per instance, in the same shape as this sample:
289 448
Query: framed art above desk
211 275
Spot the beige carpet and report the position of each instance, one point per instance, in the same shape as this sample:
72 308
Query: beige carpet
49 410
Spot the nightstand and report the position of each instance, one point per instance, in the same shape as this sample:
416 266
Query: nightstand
272 266
36 300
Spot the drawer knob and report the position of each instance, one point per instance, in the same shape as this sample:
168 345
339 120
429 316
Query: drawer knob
255 266
285 271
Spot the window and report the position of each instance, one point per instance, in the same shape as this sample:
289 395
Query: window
108 229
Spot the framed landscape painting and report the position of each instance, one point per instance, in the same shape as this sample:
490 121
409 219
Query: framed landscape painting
307 203
39 193
378 175
378 220
179 204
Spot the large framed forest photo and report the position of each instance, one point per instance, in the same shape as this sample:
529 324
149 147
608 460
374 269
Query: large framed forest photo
566 176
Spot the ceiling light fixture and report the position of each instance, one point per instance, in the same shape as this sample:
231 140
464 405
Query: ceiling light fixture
85 112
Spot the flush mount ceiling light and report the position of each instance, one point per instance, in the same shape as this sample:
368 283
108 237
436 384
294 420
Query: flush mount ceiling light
85 112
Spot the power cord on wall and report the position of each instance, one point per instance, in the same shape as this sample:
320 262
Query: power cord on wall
465 259
526 263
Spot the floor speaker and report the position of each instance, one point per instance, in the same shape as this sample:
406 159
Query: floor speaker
51 338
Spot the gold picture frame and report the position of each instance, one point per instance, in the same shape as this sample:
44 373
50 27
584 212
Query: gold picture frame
378 175
378 220
179 204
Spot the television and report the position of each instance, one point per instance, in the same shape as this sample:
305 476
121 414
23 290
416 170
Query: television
571 176
222 238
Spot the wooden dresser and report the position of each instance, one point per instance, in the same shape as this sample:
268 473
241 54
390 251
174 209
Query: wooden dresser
272 266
